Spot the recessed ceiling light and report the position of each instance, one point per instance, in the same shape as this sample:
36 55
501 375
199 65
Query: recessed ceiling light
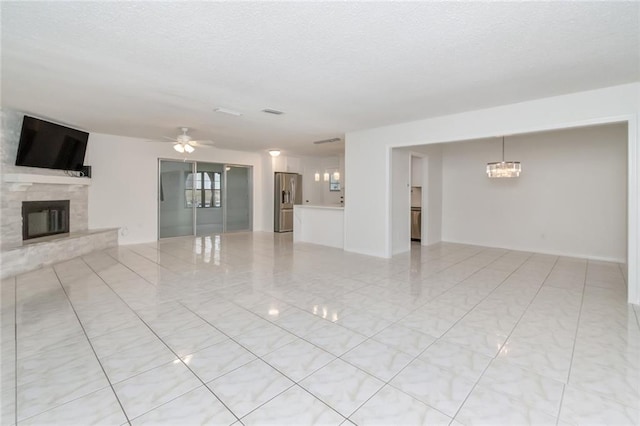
272 111
228 111
328 141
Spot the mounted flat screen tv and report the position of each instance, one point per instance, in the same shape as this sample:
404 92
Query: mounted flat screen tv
51 146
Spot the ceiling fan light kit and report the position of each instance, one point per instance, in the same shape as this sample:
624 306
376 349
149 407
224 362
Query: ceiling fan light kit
183 143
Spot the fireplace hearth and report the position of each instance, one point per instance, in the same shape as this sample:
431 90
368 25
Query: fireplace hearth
44 218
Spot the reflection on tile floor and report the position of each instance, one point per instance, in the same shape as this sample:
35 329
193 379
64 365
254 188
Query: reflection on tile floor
249 328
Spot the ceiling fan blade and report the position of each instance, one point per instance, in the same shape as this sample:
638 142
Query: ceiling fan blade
170 139
203 143
158 141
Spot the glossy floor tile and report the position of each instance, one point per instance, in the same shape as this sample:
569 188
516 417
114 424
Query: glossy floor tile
249 328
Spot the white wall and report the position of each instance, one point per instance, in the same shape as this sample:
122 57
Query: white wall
416 196
124 184
366 212
416 171
368 157
571 198
318 193
401 200
312 191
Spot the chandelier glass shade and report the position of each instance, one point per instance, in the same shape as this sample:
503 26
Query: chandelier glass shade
504 169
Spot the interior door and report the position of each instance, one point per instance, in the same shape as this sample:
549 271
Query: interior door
176 206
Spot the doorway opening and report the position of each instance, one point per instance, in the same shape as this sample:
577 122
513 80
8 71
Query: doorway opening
558 206
417 182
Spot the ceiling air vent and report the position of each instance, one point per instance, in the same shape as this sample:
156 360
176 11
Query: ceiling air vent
328 141
272 111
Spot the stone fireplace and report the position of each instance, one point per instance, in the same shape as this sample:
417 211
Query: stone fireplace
54 203
41 190
44 218
44 221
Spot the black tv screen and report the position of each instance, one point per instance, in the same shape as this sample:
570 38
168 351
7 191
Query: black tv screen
51 146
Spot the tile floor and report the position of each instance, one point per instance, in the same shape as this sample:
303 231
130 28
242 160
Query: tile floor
250 329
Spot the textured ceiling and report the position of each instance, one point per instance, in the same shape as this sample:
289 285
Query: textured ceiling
145 69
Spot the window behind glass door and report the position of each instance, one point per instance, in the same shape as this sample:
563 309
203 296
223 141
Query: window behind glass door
206 187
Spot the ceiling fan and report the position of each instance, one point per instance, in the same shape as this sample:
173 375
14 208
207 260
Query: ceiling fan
184 143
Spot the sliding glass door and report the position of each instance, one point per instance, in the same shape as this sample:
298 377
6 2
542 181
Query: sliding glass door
175 200
238 198
198 198
209 181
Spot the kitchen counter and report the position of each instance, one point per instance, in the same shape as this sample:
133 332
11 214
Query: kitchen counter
319 224
320 206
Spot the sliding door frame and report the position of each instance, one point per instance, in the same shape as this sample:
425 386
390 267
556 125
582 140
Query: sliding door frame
193 207
224 197
194 169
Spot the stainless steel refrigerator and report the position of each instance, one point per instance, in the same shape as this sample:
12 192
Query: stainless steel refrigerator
288 191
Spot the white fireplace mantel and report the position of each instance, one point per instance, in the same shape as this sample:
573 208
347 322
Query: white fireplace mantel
22 181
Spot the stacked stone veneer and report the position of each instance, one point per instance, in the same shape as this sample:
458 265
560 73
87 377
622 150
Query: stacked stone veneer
11 203
11 230
12 196
33 256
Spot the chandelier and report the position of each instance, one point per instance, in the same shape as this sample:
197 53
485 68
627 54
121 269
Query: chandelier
504 169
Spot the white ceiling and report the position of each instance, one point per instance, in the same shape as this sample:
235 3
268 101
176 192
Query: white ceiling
145 69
